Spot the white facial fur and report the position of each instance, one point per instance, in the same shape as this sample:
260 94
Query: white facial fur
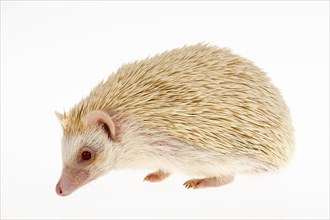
96 139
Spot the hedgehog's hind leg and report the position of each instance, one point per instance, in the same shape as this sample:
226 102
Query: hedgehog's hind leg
157 176
208 182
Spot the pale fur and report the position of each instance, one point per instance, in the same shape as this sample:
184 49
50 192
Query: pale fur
199 110
143 148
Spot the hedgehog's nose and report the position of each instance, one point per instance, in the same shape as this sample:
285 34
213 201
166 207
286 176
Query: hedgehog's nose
59 190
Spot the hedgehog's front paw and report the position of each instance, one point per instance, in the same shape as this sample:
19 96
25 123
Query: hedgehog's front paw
208 182
157 176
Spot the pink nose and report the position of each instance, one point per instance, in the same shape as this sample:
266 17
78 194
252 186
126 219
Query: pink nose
59 190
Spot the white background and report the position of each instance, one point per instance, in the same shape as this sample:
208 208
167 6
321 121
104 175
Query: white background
54 53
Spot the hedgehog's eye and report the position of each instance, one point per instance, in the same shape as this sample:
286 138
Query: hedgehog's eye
86 155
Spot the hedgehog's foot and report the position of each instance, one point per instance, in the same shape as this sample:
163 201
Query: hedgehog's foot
208 182
157 176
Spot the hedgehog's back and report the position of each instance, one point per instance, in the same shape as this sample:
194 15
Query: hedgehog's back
204 96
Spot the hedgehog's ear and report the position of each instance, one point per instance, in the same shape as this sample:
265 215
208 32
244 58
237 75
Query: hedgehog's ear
103 118
61 118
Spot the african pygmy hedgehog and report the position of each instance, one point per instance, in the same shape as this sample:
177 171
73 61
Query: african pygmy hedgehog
199 110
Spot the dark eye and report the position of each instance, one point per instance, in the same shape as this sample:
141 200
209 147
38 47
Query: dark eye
86 155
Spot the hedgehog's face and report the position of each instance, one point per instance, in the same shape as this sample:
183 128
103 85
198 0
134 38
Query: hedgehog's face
86 155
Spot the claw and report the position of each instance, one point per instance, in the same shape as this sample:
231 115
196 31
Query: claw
187 185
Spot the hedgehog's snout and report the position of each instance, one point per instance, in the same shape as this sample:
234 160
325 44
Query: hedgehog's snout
61 189
71 180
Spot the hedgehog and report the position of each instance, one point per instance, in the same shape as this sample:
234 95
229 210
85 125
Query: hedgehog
199 110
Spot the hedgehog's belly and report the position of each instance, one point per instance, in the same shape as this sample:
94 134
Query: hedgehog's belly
146 148
174 156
